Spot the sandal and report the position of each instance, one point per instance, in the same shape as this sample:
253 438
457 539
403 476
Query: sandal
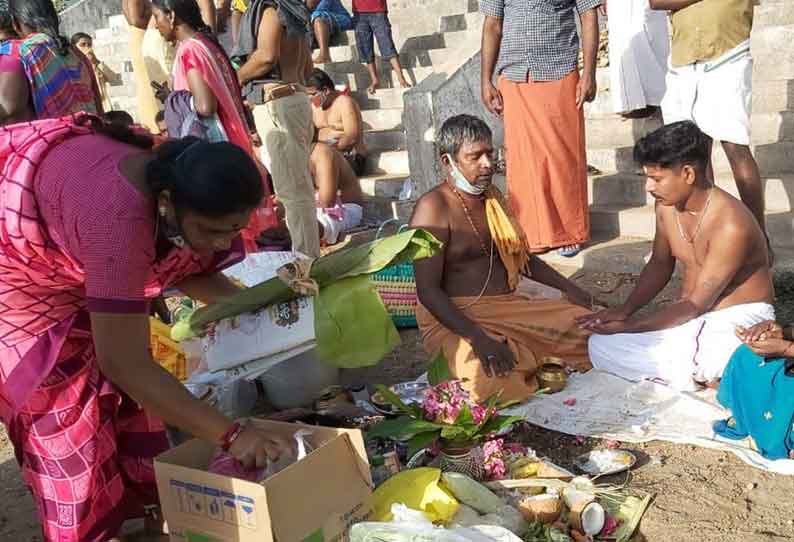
570 251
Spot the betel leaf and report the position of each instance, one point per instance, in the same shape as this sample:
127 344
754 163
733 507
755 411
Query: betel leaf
420 442
402 428
452 432
438 371
498 424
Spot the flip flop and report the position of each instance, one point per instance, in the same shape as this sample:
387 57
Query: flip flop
570 251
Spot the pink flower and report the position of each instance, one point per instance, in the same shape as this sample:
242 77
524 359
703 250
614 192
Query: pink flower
515 448
612 444
479 413
493 459
493 448
580 440
611 524
569 402
495 469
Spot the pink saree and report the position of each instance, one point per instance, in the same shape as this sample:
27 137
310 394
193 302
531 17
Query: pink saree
201 54
85 448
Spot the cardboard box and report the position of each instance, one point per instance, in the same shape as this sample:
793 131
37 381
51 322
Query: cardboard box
316 499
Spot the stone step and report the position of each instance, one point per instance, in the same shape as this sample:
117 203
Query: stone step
773 158
768 97
355 75
379 209
614 131
629 190
382 119
461 21
627 255
770 68
393 162
383 186
773 14
640 222
384 98
603 252
385 140
769 41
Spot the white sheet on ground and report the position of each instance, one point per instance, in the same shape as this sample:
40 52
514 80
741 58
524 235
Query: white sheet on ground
610 407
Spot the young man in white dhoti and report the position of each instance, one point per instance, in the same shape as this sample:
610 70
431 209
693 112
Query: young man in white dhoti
639 44
709 81
726 283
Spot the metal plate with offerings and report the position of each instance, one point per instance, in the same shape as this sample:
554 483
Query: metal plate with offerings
605 462
408 392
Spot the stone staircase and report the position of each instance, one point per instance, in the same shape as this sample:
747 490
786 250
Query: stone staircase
621 212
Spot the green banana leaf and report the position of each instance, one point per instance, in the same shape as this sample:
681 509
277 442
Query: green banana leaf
353 327
327 270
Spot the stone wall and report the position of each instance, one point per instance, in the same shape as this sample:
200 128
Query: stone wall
88 16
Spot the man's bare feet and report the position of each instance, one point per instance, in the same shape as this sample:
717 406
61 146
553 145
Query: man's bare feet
323 57
373 87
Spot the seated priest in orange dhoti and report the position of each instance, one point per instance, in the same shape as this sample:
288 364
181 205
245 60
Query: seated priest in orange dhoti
477 302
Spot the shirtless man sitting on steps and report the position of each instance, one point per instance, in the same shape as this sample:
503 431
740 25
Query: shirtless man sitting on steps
727 280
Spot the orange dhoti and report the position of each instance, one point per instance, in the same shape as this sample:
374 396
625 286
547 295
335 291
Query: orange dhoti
546 161
533 329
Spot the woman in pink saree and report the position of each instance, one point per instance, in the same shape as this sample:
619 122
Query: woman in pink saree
202 68
93 225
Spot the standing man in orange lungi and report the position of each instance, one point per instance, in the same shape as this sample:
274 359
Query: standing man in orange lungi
533 47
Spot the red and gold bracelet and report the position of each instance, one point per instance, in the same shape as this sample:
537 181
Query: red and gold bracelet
231 434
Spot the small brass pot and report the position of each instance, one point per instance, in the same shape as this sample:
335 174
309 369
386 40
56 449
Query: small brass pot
552 376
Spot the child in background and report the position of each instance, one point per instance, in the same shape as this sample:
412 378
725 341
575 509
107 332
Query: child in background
329 18
371 18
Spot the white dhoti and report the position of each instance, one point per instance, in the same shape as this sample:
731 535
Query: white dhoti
639 45
716 95
680 357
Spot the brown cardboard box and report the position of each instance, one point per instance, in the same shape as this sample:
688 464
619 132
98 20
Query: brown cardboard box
316 499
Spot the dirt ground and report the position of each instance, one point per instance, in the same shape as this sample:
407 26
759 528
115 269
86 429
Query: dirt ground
700 495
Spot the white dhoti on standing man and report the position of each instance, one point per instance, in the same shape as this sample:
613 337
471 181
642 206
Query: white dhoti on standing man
639 46
717 95
681 357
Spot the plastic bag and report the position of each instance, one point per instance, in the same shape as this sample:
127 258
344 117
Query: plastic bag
413 528
225 465
509 518
418 489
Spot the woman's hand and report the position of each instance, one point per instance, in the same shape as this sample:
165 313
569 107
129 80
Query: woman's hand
769 329
772 348
255 448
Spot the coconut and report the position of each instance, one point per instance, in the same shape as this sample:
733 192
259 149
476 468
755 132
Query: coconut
544 508
590 520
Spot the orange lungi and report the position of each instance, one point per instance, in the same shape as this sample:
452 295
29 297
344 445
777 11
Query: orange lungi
546 161
533 329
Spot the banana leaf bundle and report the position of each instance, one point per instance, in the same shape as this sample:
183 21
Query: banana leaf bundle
352 325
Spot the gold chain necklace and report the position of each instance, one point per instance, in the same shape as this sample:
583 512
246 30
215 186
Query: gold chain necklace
471 222
699 223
